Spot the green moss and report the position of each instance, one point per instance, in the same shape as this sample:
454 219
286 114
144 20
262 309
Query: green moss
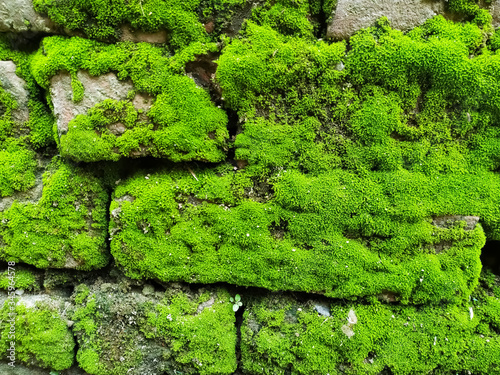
187 332
337 233
471 10
257 71
285 336
433 91
202 341
101 19
288 17
182 123
42 337
495 41
39 125
23 279
7 104
17 168
65 228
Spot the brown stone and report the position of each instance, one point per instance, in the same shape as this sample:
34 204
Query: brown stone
137 36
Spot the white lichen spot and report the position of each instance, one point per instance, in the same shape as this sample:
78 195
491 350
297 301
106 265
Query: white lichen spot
351 317
347 330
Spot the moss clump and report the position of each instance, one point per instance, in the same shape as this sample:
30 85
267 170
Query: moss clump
258 71
188 332
37 131
17 167
338 233
65 228
182 123
24 279
433 92
200 331
42 337
185 21
101 19
280 335
471 10
289 17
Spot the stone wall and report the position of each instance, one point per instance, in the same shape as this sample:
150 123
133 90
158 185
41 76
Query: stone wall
249 187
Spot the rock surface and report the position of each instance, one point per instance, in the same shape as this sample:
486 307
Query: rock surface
150 329
449 220
19 16
15 86
495 12
352 15
96 89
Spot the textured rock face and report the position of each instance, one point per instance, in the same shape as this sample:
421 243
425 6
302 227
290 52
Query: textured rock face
495 12
15 86
96 90
153 110
352 15
450 220
19 16
150 327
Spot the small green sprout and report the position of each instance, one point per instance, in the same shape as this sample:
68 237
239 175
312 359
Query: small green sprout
237 302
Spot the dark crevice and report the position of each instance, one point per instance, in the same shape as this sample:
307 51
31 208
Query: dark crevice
490 256
27 41
234 128
238 323
322 19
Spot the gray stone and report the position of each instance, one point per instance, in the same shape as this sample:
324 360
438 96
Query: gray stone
352 15
448 221
96 90
15 86
32 195
25 370
19 16
322 309
148 290
495 12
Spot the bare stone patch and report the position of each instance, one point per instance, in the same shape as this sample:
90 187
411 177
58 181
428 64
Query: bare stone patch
137 36
448 221
96 90
352 15
19 16
15 86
